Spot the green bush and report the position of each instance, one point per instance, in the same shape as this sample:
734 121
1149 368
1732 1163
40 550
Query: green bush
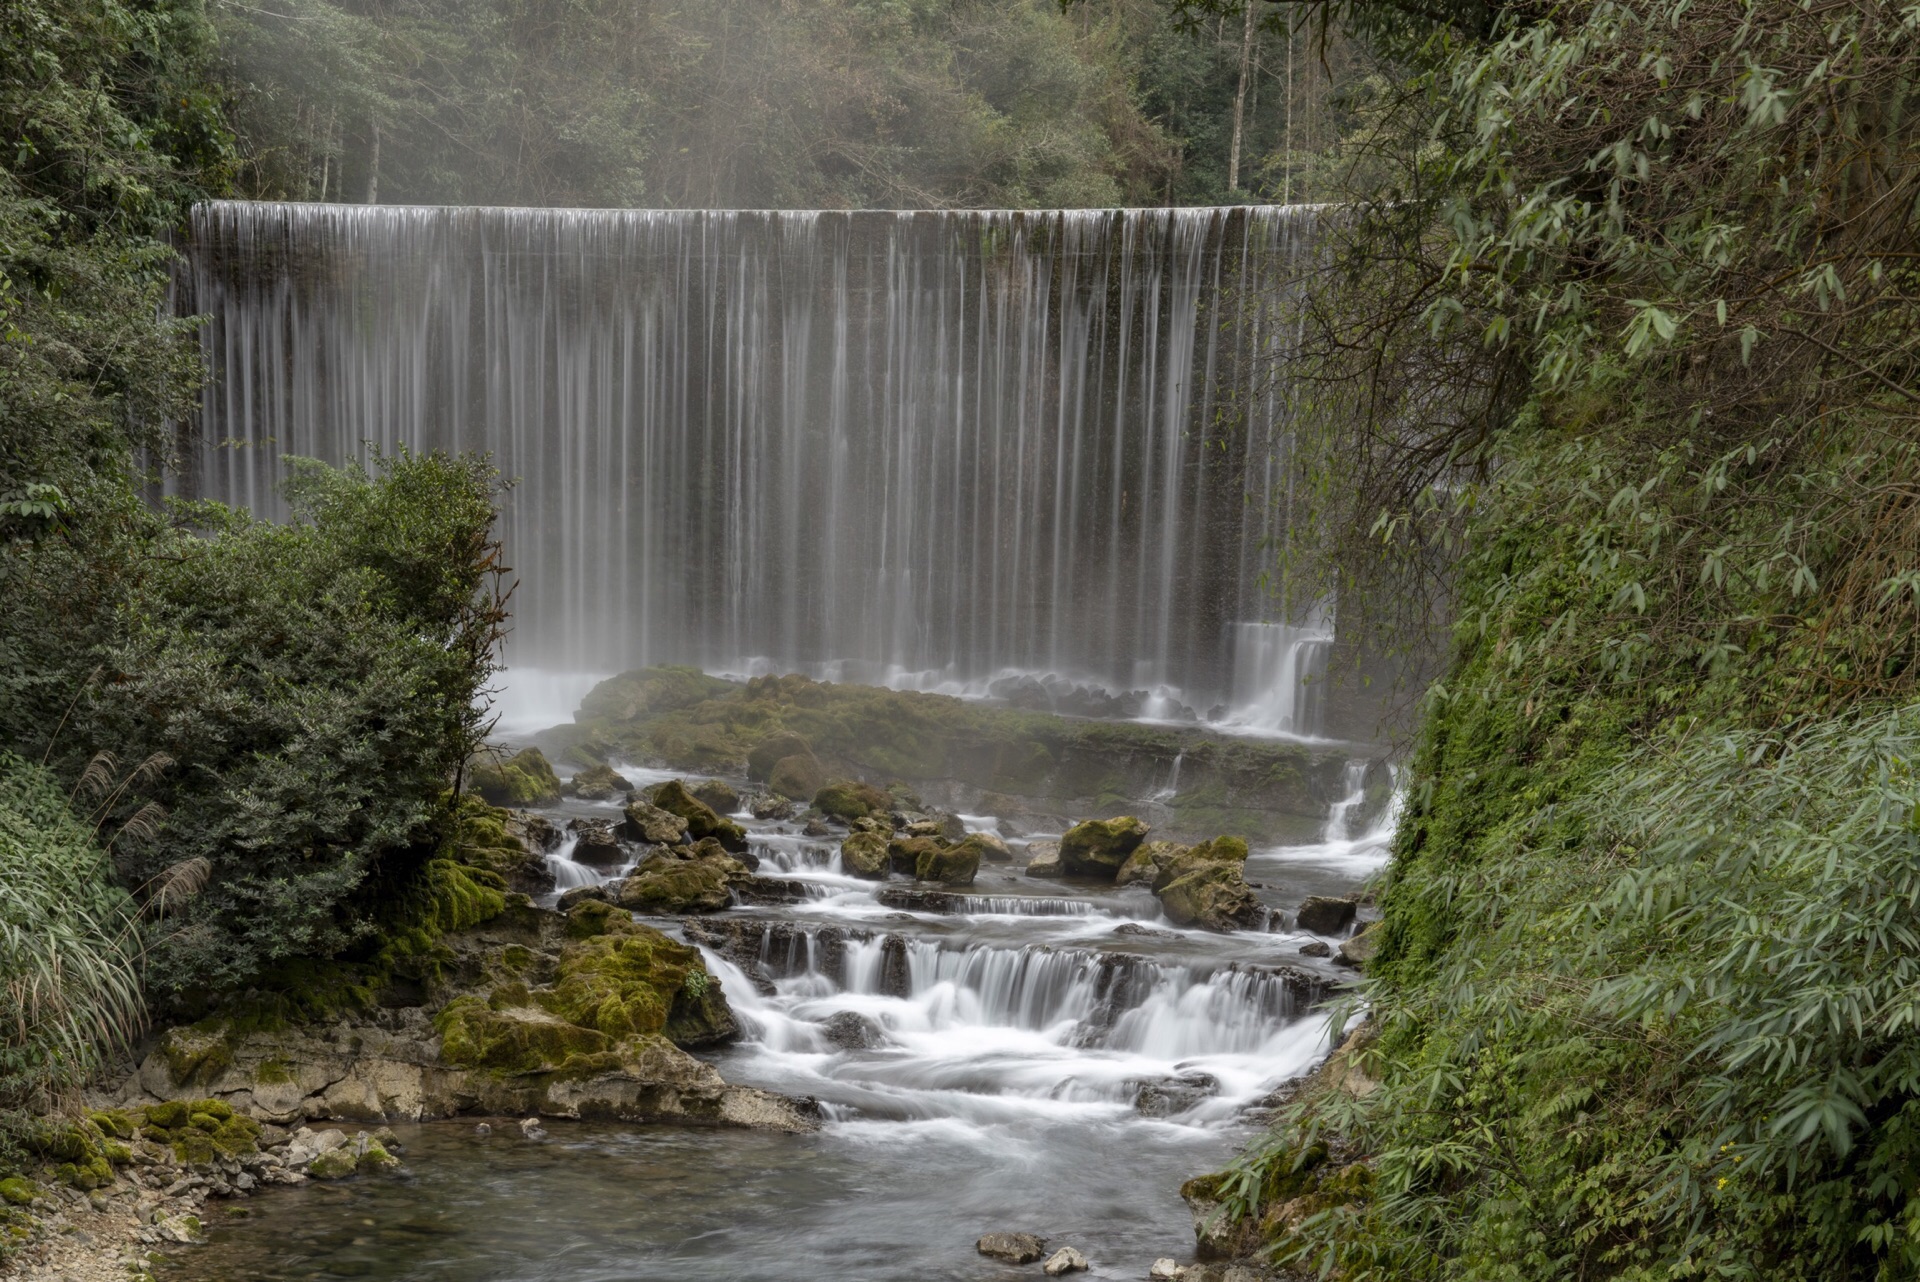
310 690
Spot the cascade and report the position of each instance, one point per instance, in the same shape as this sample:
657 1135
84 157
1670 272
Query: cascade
920 449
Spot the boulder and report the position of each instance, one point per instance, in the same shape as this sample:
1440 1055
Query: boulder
648 823
1360 950
988 847
594 843
1321 915
769 752
767 806
1098 847
524 779
903 853
533 831
569 898
1213 896
1165 1096
864 854
1316 948
815 826
1148 862
597 783
948 865
849 799
1065 1260
1224 852
718 796
852 1031
1012 1248
698 879
1043 860
799 776
702 820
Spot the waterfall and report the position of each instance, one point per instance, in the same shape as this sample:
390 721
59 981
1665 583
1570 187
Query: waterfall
919 449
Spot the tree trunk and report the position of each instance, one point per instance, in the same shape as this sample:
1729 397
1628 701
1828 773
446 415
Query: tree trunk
373 166
1240 99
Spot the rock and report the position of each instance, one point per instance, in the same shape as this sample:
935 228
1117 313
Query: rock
1148 862
800 776
696 879
815 827
533 831
596 783
766 806
769 752
849 799
1215 897
646 822
483 1129
1169 1095
1134 928
916 900
524 779
571 897
702 820
987 847
1226 852
183 1229
335 1165
1065 1260
1318 948
531 1129
1321 915
1098 847
1013 1248
1360 950
1043 860
864 854
1166 1269
306 1145
948 865
903 853
594 843
852 1031
718 796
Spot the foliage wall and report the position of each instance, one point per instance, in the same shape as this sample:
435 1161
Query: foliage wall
1616 370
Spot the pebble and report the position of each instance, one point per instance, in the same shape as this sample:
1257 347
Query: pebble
483 1130
531 1129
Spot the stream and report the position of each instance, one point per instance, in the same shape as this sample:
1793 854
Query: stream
1029 1055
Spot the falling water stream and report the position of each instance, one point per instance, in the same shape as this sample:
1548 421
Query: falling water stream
1039 1056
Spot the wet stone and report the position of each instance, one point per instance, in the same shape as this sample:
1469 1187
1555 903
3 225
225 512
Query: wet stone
1013 1248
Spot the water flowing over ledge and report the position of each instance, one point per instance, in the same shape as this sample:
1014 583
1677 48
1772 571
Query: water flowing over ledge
930 450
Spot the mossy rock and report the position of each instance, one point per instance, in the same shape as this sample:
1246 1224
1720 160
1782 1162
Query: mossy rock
1146 864
849 799
18 1190
1214 896
597 783
864 854
718 796
798 777
771 751
903 853
647 692
524 779
1228 852
1099 847
950 865
116 1122
474 1035
640 983
376 1161
336 1164
648 823
590 917
672 884
987 847
703 821
195 1056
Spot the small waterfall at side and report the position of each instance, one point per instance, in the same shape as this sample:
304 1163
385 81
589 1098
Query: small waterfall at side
920 449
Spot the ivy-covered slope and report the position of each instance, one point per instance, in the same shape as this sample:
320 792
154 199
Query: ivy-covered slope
1645 998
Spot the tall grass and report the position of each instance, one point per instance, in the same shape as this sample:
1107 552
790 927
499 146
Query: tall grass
69 983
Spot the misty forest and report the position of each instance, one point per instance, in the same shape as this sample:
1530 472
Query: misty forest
876 640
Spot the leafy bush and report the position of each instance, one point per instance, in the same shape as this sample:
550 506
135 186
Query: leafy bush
69 987
315 684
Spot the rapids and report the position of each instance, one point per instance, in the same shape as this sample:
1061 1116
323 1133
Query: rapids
1028 1055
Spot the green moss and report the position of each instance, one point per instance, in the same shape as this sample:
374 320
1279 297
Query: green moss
703 822
17 1190
525 779
170 1115
474 1035
115 1122
592 917
850 799
272 1072
638 984
1099 847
